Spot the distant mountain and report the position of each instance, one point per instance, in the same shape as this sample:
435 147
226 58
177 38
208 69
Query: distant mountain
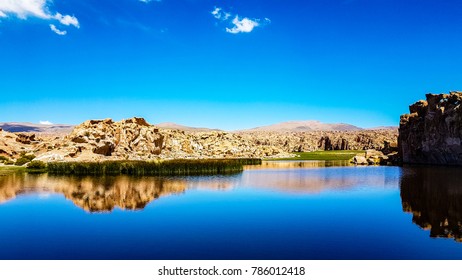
301 126
391 127
37 128
170 125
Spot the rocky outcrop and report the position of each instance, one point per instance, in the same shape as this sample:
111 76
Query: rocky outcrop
12 145
135 139
97 139
432 132
180 144
25 138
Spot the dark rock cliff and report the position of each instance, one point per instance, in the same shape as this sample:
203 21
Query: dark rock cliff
432 132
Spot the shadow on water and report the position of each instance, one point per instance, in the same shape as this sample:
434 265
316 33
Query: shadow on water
434 197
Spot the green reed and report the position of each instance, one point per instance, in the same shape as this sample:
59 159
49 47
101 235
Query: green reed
181 167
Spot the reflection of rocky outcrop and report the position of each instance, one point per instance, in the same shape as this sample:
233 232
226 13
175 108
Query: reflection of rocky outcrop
91 193
432 132
103 194
434 197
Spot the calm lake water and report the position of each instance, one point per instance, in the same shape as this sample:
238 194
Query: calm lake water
280 210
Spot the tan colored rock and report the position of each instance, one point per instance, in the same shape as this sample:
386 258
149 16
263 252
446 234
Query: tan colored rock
360 160
135 139
128 139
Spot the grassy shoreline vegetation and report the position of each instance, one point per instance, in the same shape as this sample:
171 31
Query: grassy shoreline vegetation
8 169
325 155
181 167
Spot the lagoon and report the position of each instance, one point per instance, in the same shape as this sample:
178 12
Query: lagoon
279 210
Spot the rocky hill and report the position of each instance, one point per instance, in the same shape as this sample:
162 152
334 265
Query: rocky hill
432 132
135 139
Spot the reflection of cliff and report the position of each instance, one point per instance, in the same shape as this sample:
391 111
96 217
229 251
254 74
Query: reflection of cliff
434 197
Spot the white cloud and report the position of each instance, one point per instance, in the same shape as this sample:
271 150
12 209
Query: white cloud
218 13
24 8
245 25
147 1
59 32
238 25
35 8
46 122
67 20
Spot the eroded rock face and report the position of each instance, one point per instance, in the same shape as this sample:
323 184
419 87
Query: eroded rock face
432 132
25 138
128 139
180 144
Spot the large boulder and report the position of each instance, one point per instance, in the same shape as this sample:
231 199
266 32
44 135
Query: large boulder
432 132
131 138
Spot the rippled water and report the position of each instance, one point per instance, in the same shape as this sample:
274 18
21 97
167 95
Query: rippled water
280 210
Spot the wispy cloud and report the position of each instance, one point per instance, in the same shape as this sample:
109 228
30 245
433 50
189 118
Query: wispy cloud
147 1
57 31
238 24
24 9
46 122
218 13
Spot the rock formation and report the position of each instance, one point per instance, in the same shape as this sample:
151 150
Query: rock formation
100 139
135 139
432 132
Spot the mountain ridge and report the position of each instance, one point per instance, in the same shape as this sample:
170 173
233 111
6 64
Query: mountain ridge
301 126
288 126
34 127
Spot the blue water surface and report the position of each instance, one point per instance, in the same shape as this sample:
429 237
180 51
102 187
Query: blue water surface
276 211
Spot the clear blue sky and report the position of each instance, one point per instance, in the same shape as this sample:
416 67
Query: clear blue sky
249 63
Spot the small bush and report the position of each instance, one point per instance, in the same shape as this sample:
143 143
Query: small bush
8 162
37 164
28 157
2 159
21 161
25 158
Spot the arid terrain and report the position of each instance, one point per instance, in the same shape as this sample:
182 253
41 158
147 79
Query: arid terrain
136 139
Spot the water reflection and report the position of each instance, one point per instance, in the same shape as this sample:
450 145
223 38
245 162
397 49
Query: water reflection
103 194
293 164
434 197
316 180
